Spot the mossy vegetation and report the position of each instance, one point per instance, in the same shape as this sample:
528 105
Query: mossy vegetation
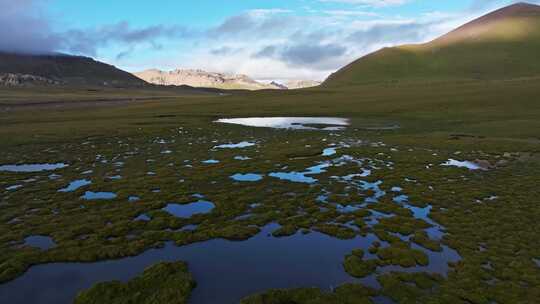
160 283
356 266
486 216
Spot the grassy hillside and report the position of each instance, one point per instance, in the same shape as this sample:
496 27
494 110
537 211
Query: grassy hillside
74 70
501 45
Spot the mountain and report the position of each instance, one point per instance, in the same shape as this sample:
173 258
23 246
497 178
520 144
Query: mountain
62 69
501 45
200 78
300 84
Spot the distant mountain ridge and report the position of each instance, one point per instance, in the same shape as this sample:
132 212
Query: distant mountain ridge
500 45
63 69
201 78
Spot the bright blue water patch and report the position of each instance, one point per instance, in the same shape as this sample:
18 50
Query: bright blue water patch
421 213
250 177
296 177
301 177
40 241
32 167
89 195
188 210
329 151
210 161
115 177
400 199
243 144
74 185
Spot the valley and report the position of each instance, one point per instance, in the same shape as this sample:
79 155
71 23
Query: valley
403 178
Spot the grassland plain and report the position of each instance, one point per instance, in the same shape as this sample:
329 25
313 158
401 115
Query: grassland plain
491 120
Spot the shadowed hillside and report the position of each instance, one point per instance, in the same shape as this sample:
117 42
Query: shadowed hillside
501 45
74 70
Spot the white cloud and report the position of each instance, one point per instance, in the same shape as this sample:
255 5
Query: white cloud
374 3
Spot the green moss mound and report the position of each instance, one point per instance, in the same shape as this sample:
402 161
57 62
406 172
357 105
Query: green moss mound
160 283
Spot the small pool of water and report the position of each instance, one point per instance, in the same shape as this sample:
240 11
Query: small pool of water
14 187
329 151
463 164
133 198
32 167
210 161
143 218
188 210
89 196
250 177
74 185
296 123
240 145
302 177
40 241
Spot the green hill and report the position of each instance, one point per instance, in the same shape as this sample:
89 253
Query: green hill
501 45
72 70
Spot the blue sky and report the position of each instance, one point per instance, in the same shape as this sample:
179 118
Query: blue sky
266 39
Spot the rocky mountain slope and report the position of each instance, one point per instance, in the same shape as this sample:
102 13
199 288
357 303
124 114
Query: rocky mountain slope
200 78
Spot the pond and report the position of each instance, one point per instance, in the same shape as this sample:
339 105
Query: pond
463 164
302 177
188 210
250 177
258 264
297 123
240 145
89 196
26 168
40 241
74 185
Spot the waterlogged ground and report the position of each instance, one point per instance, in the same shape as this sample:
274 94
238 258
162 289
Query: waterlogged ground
252 209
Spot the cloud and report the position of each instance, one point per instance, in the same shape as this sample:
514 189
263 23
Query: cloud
373 3
25 28
260 21
22 29
88 41
266 52
390 32
311 54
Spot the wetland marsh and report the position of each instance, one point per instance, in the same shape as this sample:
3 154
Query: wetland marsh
354 212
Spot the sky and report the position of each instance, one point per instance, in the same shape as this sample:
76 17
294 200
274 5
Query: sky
265 39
